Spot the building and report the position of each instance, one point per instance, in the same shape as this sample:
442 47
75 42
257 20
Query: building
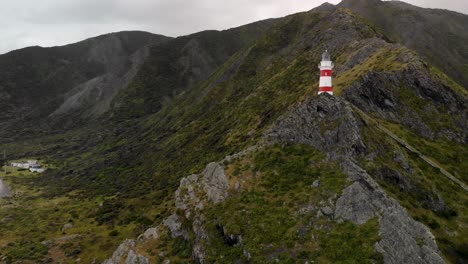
326 67
25 164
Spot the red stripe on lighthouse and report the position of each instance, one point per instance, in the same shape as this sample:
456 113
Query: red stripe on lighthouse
326 89
325 73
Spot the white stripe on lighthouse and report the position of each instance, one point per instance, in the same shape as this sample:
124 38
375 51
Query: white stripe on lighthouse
325 81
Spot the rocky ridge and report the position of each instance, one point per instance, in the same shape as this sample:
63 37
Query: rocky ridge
329 124
401 236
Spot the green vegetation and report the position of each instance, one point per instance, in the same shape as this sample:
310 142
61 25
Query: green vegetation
349 243
418 189
386 59
26 250
31 217
267 217
440 36
115 177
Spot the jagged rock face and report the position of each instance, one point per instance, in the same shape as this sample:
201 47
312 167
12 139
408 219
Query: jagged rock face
425 31
133 258
215 183
324 122
381 93
125 254
403 240
175 226
210 187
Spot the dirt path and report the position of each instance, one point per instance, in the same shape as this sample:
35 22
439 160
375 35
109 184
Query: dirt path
425 158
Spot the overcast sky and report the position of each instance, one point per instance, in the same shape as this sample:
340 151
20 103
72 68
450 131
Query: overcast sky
58 22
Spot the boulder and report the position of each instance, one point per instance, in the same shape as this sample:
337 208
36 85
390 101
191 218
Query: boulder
133 258
66 227
175 227
151 233
215 183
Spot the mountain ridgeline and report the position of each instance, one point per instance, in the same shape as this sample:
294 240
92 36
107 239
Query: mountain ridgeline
215 148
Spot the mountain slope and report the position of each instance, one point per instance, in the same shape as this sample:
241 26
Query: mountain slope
261 82
43 86
275 173
440 36
181 64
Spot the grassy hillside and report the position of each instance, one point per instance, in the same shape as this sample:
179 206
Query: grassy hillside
183 110
440 36
181 64
35 82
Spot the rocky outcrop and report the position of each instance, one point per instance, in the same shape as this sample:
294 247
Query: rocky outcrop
150 233
215 183
329 124
125 254
193 194
326 122
403 240
414 98
175 226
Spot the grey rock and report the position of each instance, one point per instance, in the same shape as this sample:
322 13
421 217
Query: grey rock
306 209
399 233
379 93
201 238
353 205
66 227
215 183
329 124
47 243
325 122
175 226
210 186
120 252
186 197
126 254
151 233
237 186
327 211
315 184
133 258
246 254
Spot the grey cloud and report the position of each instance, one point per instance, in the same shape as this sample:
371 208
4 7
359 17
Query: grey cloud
58 22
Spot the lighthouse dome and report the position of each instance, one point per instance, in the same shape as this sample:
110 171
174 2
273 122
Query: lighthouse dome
326 56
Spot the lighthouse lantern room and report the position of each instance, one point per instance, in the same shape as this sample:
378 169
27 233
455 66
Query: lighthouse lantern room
326 67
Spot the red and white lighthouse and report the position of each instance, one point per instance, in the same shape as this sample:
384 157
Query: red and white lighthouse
326 67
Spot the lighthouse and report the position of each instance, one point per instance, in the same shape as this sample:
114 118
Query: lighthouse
326 67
